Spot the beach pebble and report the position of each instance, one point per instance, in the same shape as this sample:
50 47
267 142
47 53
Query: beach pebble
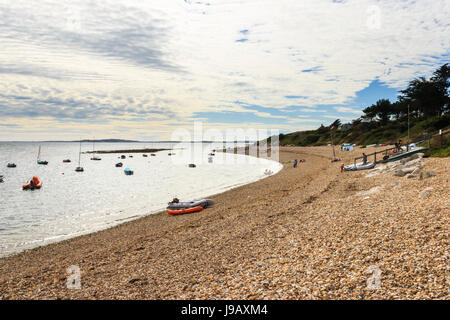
425 192
399 173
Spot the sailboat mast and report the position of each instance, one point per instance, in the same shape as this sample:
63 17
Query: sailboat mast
79 154
39 153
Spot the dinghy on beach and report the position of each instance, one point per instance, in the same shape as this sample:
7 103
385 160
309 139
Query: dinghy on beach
184 211
359 166
204 203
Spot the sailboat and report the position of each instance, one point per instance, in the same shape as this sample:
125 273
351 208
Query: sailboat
79 168
39 161
93 152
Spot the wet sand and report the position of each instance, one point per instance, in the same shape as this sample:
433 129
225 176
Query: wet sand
304 233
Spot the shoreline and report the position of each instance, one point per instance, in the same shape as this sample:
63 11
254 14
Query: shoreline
62 238
297 234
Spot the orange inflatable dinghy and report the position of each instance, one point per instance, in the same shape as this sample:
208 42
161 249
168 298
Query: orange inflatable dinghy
35 183
184 211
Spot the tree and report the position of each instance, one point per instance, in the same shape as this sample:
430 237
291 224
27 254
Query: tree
382 110
430 97
336 124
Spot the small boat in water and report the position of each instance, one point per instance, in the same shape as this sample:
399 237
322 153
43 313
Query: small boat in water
191 165
11 165
1 179
67 161
34 183
152 154
39 161
359 166
79 168
119 165
123 157
184 211
94 157
145 155
128 171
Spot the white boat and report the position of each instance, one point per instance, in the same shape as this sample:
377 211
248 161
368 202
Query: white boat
359 166
79 168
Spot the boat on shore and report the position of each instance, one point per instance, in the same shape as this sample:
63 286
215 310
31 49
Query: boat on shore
204 203
404 154
359 166
184 211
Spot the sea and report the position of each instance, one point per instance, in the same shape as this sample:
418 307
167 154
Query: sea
72 203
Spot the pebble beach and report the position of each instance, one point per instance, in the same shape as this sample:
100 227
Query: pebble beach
309 232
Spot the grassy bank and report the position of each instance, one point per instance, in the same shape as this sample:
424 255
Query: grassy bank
366 133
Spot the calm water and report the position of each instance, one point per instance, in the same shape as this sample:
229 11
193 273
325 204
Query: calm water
72 203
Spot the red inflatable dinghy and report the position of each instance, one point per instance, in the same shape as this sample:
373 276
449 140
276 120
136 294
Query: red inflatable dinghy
184 211
35 183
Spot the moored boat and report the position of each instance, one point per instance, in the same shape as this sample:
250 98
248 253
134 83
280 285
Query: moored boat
119 165
39 161
11 165
34 183
79 168
128 171
66 160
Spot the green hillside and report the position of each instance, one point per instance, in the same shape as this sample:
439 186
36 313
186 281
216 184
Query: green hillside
425 102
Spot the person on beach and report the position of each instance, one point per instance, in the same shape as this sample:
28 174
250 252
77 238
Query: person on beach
295 163
342 167
364 158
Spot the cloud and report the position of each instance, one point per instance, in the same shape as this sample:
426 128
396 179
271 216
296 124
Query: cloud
162 61
347 110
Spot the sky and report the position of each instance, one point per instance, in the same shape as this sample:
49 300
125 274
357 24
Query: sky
143 69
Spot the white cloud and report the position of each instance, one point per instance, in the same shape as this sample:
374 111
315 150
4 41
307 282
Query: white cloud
347 110
184 57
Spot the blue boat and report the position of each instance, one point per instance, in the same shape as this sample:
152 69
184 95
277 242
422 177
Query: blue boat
128 171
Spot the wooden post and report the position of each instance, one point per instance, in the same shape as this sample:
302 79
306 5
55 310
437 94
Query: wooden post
375 157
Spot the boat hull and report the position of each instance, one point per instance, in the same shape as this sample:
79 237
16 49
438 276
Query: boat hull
403 155
359 166
184 211
204 203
